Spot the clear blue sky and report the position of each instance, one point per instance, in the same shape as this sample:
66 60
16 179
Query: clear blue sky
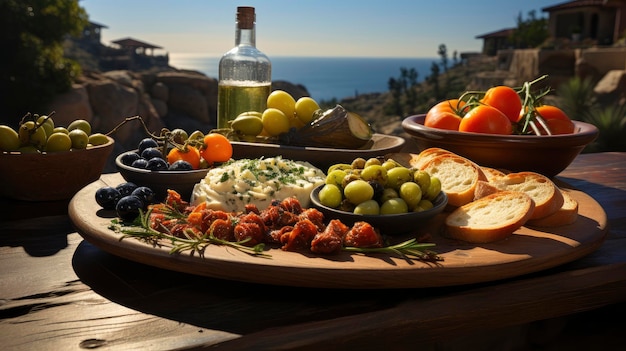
389 28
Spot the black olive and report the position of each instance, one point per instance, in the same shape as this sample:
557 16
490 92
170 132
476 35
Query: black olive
146 143
129 157
141 163
157 164
107 197
151 153
181 165
126 189
128 208
145 194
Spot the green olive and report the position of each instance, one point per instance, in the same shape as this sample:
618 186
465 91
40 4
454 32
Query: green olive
247 125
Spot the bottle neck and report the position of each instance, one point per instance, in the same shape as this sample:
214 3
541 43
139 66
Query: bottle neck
245 37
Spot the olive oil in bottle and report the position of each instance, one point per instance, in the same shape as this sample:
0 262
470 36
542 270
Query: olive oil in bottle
244 73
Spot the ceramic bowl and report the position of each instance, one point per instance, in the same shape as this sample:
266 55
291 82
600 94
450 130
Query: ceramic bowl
51 176
320 157
182 182
545 154
395 224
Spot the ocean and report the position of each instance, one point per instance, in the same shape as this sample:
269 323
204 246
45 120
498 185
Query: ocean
325 78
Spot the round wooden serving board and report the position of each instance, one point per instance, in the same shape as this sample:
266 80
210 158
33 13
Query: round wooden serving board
526 251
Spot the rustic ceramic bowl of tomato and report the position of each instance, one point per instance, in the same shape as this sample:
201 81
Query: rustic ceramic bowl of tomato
545 154
52 176
182 181
390 224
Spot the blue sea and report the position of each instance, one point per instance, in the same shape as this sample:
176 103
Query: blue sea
324 77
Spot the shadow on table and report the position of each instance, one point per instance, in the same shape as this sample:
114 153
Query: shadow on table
221 304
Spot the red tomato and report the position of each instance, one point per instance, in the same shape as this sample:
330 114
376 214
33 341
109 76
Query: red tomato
217 148
445 115
443 120
190 154
504 99
485 119
556 119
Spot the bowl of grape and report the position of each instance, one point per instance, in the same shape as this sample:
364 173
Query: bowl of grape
41 161
392 198
177 162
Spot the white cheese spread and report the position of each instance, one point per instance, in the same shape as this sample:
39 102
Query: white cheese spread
237 183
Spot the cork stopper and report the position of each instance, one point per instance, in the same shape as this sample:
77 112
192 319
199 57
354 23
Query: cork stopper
245 17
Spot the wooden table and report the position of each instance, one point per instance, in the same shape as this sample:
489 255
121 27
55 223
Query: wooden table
59 292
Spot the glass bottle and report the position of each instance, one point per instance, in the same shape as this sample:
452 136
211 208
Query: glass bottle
245 73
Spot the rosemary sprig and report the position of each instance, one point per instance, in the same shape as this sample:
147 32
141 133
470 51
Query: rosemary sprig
407 249
141 230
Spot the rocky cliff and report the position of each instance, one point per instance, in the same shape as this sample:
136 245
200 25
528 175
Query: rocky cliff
164 99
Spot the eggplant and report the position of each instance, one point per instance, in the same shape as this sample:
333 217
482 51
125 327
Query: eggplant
334 128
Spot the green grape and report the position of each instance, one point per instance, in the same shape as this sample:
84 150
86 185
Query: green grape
358 163
411 193
434 189
388 193
350 177
369 207
358 191
372 161
46 123
389 164
398 175
306 108
336 177
58 142
422 178
375 173
342 166
283 101
330 195
423 205
275 121
394 206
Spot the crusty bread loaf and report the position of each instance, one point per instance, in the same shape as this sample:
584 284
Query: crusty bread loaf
546 195
491 218
567 214
458 175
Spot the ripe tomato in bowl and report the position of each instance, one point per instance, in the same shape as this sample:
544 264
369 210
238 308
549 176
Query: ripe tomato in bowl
545 154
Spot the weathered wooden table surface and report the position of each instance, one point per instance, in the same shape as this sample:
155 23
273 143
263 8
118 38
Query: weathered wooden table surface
59 292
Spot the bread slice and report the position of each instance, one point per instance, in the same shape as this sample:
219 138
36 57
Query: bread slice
428 154
546 195
491 173
484 188
458 175
567 214
491 218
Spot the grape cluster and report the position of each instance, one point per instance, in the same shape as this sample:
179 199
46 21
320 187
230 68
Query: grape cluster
126 199
37 134
378 187
283 112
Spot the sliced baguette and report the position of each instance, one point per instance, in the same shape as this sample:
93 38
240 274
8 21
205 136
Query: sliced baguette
491 218
458 175
484 188
428 154
546 195
491 173
567 214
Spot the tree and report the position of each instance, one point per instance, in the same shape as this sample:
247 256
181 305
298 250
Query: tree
443 53
32 66
530 32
